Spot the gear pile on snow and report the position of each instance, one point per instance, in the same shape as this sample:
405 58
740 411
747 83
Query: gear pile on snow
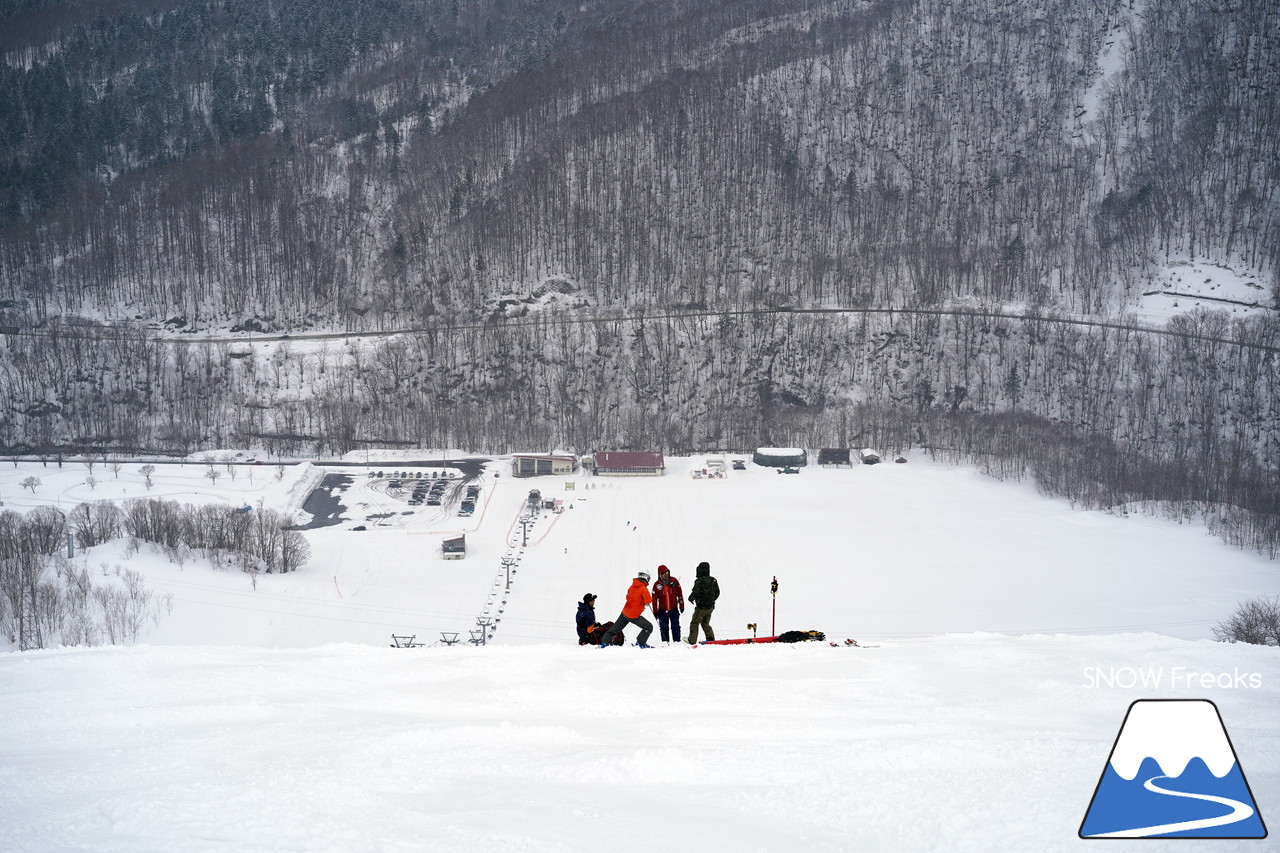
799 636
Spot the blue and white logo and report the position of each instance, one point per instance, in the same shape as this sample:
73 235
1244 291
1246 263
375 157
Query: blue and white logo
1173 773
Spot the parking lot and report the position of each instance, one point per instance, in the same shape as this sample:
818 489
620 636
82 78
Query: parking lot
427 487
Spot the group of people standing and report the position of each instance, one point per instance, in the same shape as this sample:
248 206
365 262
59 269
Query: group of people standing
666 600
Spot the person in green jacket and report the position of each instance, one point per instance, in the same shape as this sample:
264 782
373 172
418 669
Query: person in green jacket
704 595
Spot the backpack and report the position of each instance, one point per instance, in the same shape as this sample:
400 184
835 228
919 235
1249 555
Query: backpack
600 631
799 636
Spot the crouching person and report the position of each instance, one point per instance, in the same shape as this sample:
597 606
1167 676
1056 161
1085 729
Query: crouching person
638 599
588 627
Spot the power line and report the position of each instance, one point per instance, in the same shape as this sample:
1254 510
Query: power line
97 332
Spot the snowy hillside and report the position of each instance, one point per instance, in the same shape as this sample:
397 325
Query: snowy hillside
1007 635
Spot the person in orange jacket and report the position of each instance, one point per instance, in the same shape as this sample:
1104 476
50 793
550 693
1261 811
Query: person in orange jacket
638 599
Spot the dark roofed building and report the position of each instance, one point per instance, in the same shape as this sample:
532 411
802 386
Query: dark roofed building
834 457
780 457
630 464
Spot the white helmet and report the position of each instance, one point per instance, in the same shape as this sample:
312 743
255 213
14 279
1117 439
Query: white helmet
644 576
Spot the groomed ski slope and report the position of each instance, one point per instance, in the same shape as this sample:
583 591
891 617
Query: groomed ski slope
879 551
961 743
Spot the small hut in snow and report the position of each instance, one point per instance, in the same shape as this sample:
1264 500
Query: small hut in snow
780 457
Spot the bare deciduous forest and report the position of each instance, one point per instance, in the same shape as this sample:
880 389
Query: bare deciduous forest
538 187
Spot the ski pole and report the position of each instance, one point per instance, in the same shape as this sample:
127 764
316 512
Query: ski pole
773 631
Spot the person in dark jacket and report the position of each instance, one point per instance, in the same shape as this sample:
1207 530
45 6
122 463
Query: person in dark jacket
704 595
668 604
587 624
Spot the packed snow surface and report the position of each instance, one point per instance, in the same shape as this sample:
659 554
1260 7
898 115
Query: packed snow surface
1005 635
973 742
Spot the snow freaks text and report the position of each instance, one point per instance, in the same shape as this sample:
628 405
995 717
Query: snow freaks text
1174 677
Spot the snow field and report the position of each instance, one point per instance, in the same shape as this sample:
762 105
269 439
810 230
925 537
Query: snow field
872 552
275 717
881 551
958 743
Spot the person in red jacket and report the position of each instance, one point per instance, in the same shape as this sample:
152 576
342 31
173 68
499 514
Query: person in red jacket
638 599
668 604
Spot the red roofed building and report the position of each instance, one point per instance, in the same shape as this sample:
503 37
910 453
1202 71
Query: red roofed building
630 464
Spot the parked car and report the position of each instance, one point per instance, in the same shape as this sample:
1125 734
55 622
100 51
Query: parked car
788 470
739 464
